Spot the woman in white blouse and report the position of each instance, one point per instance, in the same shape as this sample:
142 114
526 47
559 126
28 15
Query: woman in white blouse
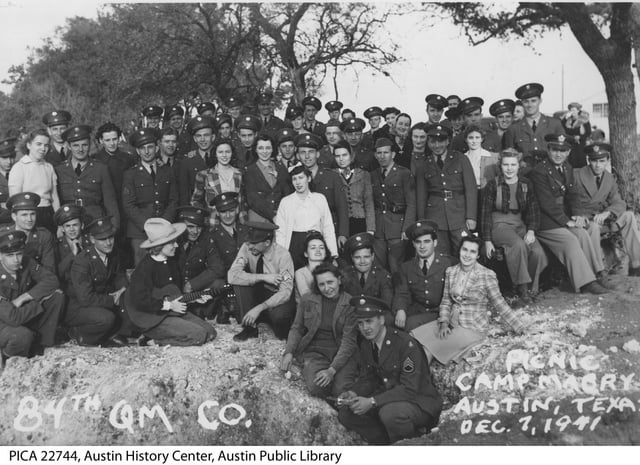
301 212
33 174
484 163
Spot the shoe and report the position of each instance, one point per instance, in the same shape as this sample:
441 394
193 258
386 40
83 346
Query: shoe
246 333
223 317
594 287
116 341
143 341
523 294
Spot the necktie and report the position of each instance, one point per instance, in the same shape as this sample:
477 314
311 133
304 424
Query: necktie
534 126
425 268
153 173
76 246
384 173
440 163
187 247
78 169
362 280
260 265
376 353
207 159
62 153
598 181
234 234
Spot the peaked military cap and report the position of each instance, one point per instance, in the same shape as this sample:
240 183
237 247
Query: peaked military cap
308 140
12 241
294 112
367 307
143 136
559 141
8 147
54 118
234 101
206 106
23 201
357 242
454 112
420 228
223 118
67 212
436 101
502 106
372 111
249 122
264 98
195 215
225 201
101 228
471 104
79 132
152 110
285 135
533 89
352 125
439 131
598 150
390 110
172 111
260 231
312 101
201 122
333 105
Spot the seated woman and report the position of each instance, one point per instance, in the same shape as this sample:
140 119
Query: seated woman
469 289
153 300
323 336
301 212
316 252
509 217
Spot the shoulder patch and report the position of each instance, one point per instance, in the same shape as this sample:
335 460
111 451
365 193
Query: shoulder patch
408 366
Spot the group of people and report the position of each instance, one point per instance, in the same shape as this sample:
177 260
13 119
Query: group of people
362 250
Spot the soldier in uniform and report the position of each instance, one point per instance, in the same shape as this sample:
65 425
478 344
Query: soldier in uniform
234 106
69 218
224 123
594 196
174 116
563 234
287 149
95 314
435 107
152 115
57 122
333 135
148 190
363 157
167 153
455 120
84 182
39 243
208 109
394 397
529 133
502 111
311 107
446 190
248 128
271 124
333 108
374 117
7 158
202 130
326 182
394 199
262 276
30 303
420 279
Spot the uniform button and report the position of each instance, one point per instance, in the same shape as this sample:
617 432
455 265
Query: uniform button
78 190
385 380
170 278
383 194
444 183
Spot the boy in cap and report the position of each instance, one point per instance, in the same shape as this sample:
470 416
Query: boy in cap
69 218
174 115
563 234
435 107
57 122
394 199
39 242
363 157
30 303
287 149
502 111
529 133
85 182
271 124
95 312
394 397
152 115
262 276
203 133
168 150
374 117
148 190
311 106
595 198
333 108
247 127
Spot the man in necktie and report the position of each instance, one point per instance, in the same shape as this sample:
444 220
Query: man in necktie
420 281
271 124
312 106
69 218
272 301
286 148
561 231
601 207
394 397
202 130
57 122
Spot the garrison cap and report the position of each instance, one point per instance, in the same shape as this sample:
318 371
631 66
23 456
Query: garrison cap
308 140
285 135
389 110
225 201
143 136
12 241
101 228
79 132
264 98
383 142
471 104
172 111
294 112
8 147
195 215
357 242
152 110
559 141
206 106
234 101
533 89
420 228
372 111
249 122
57 117
23 201
367 307
67 212
223 118
312 101
333 105
260 231
598 150
453 112
436 101
201 122
439 130
352 125
502 106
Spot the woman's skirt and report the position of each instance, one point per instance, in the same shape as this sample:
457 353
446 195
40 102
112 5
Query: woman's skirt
459 341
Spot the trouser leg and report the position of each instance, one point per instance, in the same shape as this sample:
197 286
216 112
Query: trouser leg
281 317
566 247
15 341
413 321
380 251
89 325
45 324
595 259
515 251
402 420
594 232
395 253
630 237
138 252
368 425
179 331
538 261
444 243
345 377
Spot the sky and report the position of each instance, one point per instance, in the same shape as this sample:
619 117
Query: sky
438 59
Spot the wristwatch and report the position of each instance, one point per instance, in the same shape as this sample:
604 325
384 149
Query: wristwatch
373 402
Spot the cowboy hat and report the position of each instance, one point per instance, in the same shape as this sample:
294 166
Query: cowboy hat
159 232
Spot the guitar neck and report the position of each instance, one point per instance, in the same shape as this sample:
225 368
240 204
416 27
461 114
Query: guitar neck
195 295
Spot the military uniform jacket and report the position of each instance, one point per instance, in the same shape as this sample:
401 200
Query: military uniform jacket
552 190
316 128
35 279
307 321
448 196
401 374
4 188
261 197
39 246
244 156
585 199
364 158
272 125
417 293
191 165
197 266
394 200
143 199
225 248
92 190
117 164
521 137
64 257
92 281
185 144
377 283
326 158
328 183
53 156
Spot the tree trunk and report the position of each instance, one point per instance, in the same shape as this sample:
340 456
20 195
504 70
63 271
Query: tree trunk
298 85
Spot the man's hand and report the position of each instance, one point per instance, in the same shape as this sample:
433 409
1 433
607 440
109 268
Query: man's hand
581 221
403 236
117 294
600 218
22 299
324 377
252 316
272 278
571 224
341 241
285 364
489 249
401 319
178 306
471 224
530 237
361 405
443 330
203 299
347 397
